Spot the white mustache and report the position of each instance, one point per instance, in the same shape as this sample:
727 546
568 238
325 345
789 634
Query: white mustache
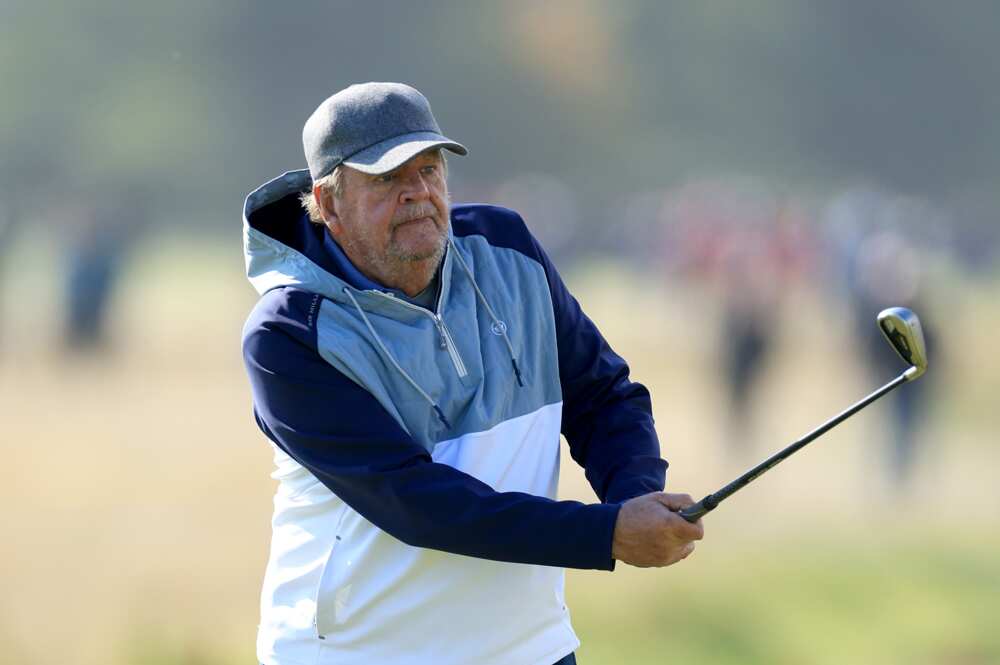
415 213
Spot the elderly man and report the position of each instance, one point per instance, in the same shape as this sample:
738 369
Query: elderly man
413 365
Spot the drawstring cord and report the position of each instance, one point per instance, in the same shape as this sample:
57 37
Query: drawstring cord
497 323
392 359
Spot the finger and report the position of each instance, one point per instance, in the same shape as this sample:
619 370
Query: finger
683 529
682 553
675 502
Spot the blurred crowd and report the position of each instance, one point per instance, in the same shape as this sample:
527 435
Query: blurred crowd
863 250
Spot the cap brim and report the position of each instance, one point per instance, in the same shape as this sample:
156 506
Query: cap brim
393 153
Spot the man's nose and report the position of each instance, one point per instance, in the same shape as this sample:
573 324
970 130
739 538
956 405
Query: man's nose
416 189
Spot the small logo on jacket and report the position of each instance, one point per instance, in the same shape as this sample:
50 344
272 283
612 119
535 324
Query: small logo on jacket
313 308
498 328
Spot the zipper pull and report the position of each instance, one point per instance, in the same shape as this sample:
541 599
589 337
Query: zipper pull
440 326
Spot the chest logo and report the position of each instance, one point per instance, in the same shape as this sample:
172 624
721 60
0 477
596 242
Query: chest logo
498 328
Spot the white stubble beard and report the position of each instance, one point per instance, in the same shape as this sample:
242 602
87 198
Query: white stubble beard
392 264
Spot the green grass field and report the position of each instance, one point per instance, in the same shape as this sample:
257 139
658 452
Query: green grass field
137 498
854 598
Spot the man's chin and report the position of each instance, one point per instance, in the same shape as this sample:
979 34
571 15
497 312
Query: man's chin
418 242
420 251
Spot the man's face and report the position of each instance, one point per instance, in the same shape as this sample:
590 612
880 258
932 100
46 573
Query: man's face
393 223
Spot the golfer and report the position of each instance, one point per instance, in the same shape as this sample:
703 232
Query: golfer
413 364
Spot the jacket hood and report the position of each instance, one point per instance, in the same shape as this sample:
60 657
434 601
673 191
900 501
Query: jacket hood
283 248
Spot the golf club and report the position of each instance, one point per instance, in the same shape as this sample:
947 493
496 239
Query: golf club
902 328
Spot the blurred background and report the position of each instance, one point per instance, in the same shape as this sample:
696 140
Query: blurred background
732 189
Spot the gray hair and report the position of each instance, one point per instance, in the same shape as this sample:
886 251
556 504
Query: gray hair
335 183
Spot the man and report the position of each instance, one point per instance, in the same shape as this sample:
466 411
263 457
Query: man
413 366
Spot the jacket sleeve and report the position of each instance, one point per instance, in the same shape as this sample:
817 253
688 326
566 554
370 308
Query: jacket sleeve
343 436
607 419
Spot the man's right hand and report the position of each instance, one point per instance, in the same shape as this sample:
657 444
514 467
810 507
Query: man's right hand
650 533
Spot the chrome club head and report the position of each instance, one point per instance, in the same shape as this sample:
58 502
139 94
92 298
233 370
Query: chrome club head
902 328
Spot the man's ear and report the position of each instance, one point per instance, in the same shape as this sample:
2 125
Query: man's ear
324 199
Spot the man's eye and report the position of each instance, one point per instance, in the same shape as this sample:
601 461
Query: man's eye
385 177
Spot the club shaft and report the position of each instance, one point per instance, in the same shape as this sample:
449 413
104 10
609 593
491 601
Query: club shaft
692 513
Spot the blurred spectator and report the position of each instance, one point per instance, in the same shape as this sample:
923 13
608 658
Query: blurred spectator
888 274
738 237
98 236
876 235
761 265
750 302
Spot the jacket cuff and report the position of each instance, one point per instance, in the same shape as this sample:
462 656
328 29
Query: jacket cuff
606 516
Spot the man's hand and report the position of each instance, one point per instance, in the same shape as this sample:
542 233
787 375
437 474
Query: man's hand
650 533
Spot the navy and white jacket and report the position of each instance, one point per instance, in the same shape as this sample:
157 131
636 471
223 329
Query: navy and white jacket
417 451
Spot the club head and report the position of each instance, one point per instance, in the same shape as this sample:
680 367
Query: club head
902 328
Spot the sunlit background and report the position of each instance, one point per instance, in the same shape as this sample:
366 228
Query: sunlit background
732 189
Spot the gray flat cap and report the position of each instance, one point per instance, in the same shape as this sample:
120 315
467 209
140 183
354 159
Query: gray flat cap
371 127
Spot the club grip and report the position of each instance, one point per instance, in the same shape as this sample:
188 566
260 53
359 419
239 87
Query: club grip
694 512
